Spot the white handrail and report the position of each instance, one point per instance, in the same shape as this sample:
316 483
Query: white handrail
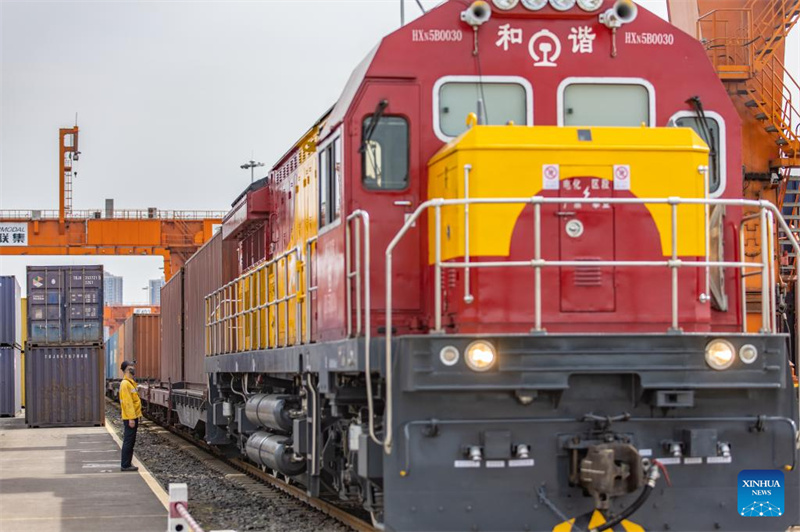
356 273
767 213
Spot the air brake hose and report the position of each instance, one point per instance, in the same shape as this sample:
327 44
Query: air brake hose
653 475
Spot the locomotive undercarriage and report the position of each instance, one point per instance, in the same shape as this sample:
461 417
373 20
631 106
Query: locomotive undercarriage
304 424
469 451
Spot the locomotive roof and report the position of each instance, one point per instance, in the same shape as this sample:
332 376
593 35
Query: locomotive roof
350 89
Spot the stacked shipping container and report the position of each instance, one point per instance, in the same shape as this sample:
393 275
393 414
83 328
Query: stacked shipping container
10 347
23 342
65 305
64 360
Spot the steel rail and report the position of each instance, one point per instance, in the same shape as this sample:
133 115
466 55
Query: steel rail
341 515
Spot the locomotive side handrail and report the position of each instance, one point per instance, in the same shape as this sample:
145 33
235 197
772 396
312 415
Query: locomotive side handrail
361 276
356 271
225 308
767 213
310 244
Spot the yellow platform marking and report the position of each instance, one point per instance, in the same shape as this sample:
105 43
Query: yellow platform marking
148 477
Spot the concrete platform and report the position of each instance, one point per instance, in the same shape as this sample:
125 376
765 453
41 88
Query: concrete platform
68 479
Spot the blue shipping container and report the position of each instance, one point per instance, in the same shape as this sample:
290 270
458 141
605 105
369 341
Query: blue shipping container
10 312
65 305
112 345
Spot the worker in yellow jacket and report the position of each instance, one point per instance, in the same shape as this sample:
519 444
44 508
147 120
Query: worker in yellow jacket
131 412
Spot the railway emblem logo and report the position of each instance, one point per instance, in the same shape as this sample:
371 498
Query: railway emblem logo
761 493
545 48
622 177
550 176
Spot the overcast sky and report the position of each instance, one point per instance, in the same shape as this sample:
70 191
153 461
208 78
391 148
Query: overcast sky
171 98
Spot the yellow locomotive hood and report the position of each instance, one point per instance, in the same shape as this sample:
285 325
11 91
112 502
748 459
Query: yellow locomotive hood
522 162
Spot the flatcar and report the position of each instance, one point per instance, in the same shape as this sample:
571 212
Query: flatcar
500 285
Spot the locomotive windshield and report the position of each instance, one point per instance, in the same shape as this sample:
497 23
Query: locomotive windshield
601 104
502 103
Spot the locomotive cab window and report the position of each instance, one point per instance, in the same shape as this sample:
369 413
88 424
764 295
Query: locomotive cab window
501 103
330 171
384 153
711 134
606 104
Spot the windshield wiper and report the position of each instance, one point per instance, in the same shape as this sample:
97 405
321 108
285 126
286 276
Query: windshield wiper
706 132
373 123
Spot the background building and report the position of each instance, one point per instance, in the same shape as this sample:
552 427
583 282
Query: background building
154 291
112 289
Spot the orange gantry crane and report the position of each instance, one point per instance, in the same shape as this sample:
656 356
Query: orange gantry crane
173 235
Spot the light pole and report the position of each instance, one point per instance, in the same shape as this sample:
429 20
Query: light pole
251 165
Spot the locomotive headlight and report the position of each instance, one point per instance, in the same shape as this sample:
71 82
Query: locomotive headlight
449 355
505 5
534 5
748 353
720 354
480 355
590 5
562 5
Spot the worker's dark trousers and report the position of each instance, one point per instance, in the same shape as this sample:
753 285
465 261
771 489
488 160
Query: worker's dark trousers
128 441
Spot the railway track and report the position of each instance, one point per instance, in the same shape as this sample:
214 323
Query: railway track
248 476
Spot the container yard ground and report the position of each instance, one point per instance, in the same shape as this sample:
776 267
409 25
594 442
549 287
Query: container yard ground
65 479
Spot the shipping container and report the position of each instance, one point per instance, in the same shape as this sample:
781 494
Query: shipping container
64 385
65 305
111 347
115 316
10 381
10 317
172 329
120 352
142 339
204 272
23 306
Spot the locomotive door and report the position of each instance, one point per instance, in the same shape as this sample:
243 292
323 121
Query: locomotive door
586 233
385 182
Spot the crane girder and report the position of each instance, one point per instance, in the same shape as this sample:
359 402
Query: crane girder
173 239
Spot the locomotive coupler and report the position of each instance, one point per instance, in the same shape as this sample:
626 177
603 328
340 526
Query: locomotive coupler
610 470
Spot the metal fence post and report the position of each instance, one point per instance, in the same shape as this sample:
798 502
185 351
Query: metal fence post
179 518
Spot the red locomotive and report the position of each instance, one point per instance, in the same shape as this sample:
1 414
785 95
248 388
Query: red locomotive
499 285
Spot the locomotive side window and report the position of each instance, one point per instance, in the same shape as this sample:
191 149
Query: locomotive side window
502 103
330 170
384 159
606 104
719 298
711 135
